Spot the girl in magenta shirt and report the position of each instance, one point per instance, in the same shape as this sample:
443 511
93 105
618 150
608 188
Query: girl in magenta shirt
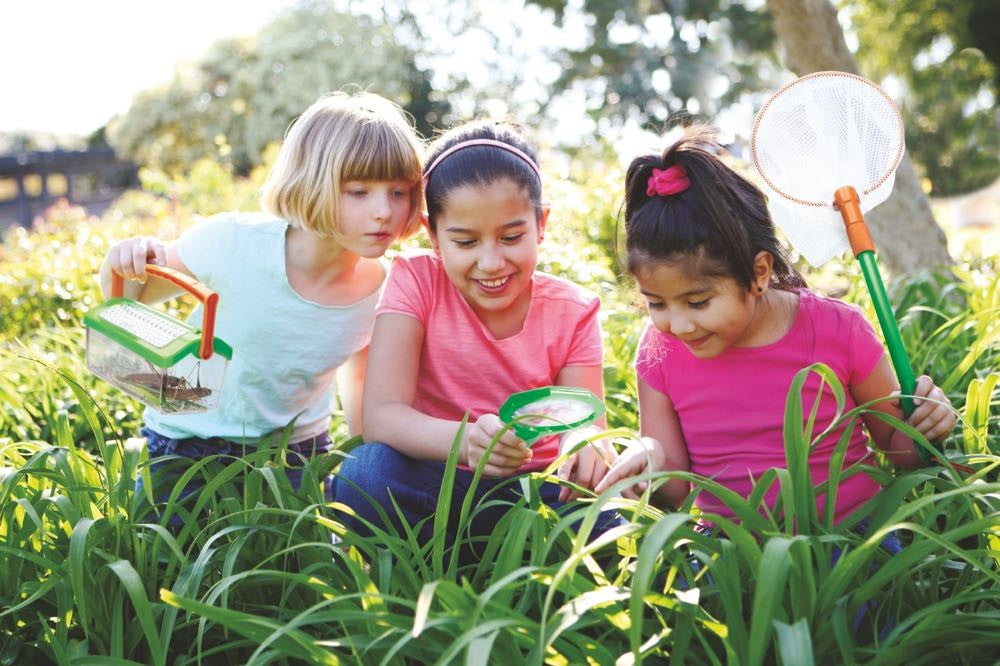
731 324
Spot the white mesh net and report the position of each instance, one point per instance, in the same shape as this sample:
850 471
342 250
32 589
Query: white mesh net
817 134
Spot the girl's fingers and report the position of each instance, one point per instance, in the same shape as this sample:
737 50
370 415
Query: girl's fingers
635 492
925 386
501 456
939 423
566 473
121 262
157 254
933 416
583 469
614 475
494 471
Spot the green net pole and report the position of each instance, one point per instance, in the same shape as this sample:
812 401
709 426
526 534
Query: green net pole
887 321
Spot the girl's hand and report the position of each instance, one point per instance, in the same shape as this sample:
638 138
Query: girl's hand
129 257
643 456
934 418
585 467
509 453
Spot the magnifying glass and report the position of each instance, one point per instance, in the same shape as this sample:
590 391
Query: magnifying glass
550 410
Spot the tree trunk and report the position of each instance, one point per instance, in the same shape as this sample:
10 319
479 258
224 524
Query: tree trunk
903 228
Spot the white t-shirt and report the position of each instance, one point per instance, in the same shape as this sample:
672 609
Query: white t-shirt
286 349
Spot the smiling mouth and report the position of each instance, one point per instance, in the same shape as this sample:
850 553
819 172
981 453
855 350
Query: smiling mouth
494 284
697 342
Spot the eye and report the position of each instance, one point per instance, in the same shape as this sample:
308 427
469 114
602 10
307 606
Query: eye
401 194
464 242
357 192
655 305
699 305
512 238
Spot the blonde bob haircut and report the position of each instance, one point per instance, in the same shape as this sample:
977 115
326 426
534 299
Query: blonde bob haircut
340 138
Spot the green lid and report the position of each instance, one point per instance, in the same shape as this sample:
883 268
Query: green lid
155 336
550 410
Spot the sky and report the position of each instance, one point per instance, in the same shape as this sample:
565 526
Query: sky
69 66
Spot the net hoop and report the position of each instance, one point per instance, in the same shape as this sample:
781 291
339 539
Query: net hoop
808 77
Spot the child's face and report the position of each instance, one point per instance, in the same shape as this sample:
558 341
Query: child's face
373 213
708 314
487 238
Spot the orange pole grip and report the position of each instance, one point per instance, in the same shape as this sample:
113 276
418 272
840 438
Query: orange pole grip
206 296
848 202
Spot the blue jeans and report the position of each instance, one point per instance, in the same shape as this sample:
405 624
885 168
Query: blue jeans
166 473
376 470
893 546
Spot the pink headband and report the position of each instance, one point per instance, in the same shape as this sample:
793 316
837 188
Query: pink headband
666 182
482 142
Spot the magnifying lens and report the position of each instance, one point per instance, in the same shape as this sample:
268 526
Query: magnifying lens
550 410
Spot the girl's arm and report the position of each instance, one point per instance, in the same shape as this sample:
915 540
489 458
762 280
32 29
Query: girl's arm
387 409
129 258
350 386
661 448
933 418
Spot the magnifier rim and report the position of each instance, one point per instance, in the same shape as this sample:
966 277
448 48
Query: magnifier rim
804 79
522 399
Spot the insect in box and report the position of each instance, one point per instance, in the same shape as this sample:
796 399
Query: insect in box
165 363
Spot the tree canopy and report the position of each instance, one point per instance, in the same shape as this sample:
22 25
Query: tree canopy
935 52
244 92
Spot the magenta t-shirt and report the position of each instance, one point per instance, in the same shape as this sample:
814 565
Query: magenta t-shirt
732 407
463 367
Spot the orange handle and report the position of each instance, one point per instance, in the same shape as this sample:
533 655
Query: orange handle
848 202
208 298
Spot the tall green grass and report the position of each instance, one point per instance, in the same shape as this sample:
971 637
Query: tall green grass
253 576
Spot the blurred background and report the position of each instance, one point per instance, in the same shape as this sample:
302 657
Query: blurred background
109 95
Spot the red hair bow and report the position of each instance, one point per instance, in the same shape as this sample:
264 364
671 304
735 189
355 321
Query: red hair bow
668 181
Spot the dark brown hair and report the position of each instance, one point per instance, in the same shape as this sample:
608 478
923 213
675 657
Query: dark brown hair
479 165
721 220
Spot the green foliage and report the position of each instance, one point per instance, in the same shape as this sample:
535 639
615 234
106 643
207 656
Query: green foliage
251 572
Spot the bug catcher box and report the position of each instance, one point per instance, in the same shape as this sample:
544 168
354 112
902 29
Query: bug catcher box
165 363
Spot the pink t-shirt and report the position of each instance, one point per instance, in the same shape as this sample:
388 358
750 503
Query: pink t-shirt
463 367
732 407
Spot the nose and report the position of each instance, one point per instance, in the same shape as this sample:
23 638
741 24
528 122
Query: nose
383 207
490 258
679 324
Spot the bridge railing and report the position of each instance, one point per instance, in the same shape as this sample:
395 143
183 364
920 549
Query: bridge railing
30 182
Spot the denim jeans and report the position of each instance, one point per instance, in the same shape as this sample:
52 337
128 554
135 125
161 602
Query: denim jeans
893 546
376 470
166 473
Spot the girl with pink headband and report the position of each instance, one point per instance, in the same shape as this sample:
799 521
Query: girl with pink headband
731 323
461 328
